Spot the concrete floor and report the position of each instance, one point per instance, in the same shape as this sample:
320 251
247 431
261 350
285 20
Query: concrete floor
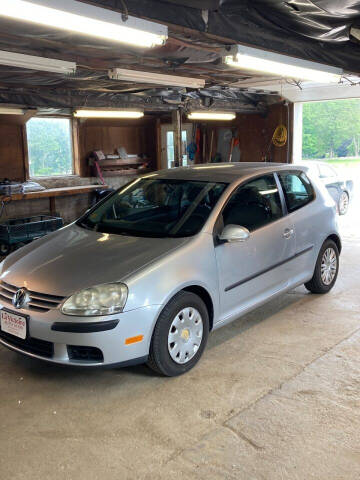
276 396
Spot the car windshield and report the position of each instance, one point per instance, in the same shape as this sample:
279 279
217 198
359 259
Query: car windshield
152 207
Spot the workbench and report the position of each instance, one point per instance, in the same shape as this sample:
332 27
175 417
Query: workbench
52 193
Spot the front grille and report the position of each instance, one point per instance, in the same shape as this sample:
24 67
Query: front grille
39 302
31 345
87 354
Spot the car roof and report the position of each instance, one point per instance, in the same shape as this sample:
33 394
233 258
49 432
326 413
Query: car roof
313 163
223 172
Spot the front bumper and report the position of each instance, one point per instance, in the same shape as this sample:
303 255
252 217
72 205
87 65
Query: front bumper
86 348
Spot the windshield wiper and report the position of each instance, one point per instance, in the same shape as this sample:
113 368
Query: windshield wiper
84 225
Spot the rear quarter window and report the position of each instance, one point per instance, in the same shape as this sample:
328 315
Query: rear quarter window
297 189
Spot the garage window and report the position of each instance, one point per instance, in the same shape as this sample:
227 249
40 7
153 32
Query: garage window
297 189
50 147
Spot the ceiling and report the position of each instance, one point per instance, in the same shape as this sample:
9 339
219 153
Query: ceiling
199 30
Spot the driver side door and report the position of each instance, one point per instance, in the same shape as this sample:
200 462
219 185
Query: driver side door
252 270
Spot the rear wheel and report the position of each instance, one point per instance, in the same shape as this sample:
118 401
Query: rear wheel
343 203
326 269
180 335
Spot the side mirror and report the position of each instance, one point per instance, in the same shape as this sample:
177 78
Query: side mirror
234 233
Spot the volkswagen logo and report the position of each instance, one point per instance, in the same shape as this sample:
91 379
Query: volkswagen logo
21 298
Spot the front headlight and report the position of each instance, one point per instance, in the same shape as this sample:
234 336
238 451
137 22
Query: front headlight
100 300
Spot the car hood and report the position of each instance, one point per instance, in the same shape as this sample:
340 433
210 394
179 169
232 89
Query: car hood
74 258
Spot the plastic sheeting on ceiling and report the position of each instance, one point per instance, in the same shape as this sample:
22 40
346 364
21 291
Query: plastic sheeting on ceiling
319 29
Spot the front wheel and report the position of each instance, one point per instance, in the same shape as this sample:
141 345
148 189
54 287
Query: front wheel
180 335
5 249
326 269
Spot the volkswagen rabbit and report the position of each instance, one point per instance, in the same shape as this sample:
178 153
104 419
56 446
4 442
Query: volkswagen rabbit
151 270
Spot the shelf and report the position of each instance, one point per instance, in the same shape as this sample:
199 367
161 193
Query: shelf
122 173
57 192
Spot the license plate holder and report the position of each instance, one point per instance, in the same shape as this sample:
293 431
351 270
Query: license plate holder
14 324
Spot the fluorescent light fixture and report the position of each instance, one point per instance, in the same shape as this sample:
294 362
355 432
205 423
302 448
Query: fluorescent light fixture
156 78
11 111
220 165
30 62
149 176
79 17
108 114
261 61
211 116
268 192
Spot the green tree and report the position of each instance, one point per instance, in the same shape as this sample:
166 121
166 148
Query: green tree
50 146
328 126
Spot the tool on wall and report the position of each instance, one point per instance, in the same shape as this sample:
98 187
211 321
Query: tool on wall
280 136
204 145
278 139
234 142
191 149
197 141
211 145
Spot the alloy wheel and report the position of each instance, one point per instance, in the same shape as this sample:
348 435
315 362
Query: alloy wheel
328 266
343 203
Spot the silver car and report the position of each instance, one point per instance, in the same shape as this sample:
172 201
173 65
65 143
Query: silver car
341 189
147 273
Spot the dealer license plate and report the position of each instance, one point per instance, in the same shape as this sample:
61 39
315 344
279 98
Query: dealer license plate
13 324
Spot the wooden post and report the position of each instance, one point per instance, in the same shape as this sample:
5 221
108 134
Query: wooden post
176 120
158 144
25 152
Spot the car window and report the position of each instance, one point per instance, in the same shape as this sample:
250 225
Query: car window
326 171
254 204
153 207
297 189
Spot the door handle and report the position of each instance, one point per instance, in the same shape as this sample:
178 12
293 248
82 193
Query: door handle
288 232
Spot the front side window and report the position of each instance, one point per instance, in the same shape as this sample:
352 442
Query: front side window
254 204
297 189
50 147
151 207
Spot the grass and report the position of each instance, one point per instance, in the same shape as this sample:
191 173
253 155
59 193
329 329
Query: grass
343 161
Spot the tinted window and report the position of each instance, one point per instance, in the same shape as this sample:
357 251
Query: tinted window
297 189
156 208
254 204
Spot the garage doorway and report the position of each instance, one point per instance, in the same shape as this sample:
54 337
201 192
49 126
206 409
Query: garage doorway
327 139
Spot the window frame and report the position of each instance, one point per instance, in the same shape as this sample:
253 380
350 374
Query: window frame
73 144
283 193
124 187
220 221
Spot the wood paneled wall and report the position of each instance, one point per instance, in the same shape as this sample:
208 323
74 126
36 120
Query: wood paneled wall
255 133
12 154
136 136
139 137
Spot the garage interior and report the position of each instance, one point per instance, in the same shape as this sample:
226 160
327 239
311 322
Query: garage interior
276 394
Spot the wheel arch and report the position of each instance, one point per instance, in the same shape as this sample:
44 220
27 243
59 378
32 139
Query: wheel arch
336 239
205 297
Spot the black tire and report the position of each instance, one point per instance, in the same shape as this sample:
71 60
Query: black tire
5 249
159 357
343 207
316 284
